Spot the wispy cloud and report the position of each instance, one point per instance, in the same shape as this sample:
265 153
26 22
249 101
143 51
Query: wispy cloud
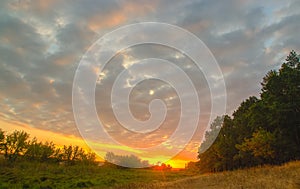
41 43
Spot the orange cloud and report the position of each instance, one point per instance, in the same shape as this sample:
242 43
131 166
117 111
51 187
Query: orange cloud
98 22
118 17
45 5
199 26
65 60
40 6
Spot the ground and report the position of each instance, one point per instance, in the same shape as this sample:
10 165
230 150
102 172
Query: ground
47 176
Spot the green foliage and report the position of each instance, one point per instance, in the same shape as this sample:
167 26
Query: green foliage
2 137
211 134
280 94
15 144
33 174
261 131
219 156
72 154
40 151
260 145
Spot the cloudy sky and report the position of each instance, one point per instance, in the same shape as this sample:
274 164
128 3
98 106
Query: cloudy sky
43 41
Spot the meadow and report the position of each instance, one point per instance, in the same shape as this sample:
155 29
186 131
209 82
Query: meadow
47 176
25 174
286 176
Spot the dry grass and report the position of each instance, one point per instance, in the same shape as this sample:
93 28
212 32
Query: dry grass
49 175
267 177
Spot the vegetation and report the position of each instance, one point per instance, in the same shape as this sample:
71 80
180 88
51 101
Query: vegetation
267 177
126 161
29 174
29 163
263 130
17 145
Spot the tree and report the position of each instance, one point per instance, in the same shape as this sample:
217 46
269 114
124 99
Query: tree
39 151
72 154
261 145
2 140
162 167
220 155
126 160
243 117
265 130
211 134
246 119
18 144
280 93
15 145
292 60
88 158
69 153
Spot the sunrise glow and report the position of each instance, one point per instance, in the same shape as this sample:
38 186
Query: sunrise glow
43 43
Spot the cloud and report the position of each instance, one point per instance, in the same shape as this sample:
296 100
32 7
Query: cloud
41 44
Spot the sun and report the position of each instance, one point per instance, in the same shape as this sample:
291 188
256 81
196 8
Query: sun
151 92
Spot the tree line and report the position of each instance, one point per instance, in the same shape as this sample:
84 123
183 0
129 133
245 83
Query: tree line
17 145
126 160
263 130
132 161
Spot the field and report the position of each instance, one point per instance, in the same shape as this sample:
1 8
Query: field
277 177
47 176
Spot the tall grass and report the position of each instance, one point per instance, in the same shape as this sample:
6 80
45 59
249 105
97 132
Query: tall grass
27 174
22 174
267 177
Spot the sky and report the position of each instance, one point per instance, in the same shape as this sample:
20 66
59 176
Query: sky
43 42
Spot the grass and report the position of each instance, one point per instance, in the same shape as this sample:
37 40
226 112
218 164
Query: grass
268 177
47 176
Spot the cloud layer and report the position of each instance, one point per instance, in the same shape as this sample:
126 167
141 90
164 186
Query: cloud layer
41 43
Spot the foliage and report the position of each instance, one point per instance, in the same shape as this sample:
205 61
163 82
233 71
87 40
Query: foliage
163 166
211 134
268 177
260 145
40 151
2 137
32 174
260 131
17 145
126 161
72 154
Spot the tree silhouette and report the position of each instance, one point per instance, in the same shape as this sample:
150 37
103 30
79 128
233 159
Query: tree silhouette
126 160
2 138
15 145
39 151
